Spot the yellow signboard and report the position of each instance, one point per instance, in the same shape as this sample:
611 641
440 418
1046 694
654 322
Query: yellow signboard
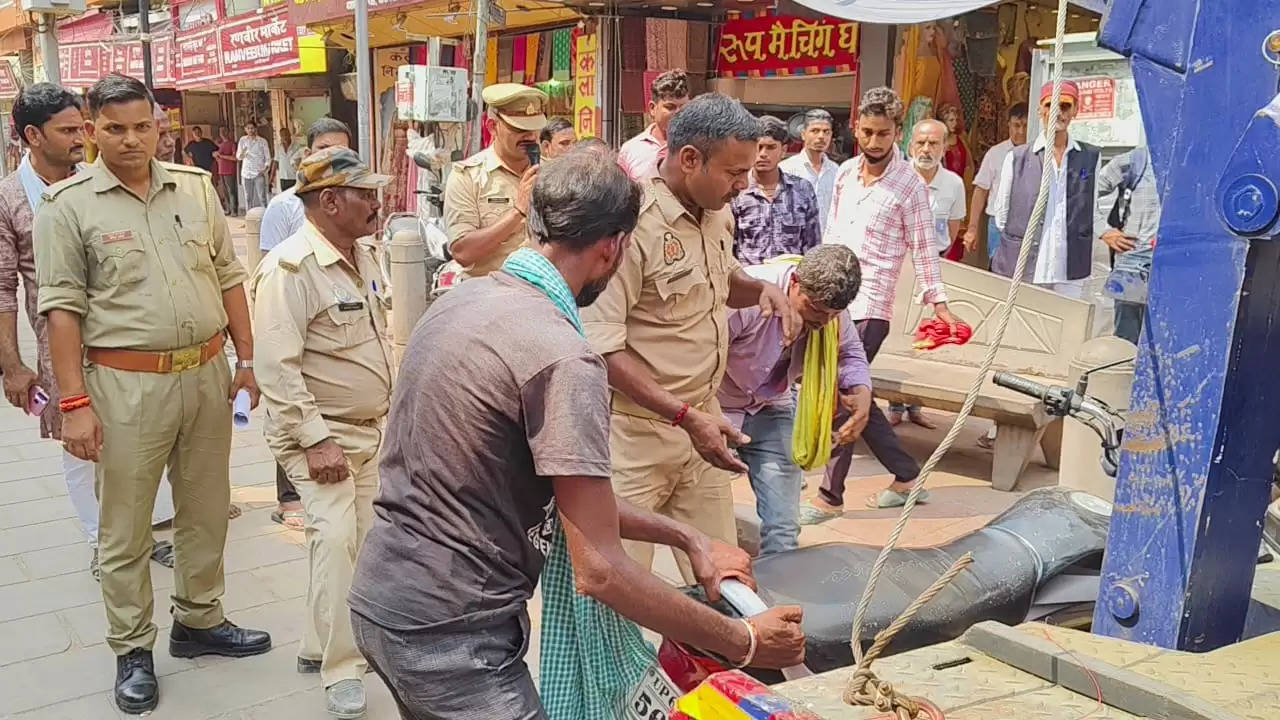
585 118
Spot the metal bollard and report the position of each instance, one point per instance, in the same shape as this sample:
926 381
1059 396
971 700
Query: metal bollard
1081 451
408 258
252 237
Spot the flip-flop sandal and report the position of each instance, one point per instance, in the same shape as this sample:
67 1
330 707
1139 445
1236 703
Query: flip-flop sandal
162 552
886 499
810 514
300 516
234 512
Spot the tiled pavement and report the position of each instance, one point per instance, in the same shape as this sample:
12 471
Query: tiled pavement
54 664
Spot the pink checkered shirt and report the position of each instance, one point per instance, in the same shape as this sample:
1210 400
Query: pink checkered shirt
881 222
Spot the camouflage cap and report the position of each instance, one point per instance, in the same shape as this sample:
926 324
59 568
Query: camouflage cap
337 167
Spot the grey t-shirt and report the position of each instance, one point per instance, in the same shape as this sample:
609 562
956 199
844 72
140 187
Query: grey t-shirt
497 394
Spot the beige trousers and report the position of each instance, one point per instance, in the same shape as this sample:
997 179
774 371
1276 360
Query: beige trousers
338 516
150 420
656 468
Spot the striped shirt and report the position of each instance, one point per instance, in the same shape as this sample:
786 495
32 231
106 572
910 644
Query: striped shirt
881 223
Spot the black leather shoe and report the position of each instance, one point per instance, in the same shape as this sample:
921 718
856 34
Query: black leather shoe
136 687
225 639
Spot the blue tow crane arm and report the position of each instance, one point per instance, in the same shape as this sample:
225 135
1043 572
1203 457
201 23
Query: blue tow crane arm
1203 430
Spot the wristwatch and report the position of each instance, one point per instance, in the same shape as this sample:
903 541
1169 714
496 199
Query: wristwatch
244 364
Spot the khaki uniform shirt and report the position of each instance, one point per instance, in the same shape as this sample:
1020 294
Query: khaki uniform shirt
142 274
481 190
320 331
667 304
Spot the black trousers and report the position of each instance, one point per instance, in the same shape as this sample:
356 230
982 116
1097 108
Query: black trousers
285 491
879 435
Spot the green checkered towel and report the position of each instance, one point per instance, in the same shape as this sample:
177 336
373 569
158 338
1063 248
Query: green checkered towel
592 658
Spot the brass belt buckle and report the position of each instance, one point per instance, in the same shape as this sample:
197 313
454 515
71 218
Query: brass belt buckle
184 359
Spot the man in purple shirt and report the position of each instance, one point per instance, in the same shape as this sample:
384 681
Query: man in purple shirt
778 213
756 392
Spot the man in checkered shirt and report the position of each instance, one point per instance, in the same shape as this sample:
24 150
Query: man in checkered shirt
881 211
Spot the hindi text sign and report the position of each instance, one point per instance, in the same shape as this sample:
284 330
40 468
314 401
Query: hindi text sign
258 46
785 45
585 120
196 58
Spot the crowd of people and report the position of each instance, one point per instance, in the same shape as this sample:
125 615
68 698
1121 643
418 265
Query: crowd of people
628 338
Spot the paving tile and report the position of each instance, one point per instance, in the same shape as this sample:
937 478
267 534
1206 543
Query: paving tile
251 455
252 553
34 512
257 472
286 580
39 449
99 706
38 537
31 468
11 571
57 560
226 687
32 637
68 676
309 704
47 595
27 489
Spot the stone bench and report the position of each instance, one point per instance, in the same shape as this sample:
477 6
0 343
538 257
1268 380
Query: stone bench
1044 334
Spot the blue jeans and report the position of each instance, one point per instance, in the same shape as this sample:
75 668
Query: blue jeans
775 478
993 238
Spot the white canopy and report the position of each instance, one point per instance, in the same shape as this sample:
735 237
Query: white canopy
910 11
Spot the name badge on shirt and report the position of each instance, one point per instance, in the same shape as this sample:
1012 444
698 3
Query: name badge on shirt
117 237
497 200
348 306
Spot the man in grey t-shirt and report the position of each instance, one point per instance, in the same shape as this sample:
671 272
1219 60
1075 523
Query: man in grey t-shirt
499 420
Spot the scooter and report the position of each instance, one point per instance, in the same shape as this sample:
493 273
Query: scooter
1039 560
429 227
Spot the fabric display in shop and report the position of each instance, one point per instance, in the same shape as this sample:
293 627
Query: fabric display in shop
534 59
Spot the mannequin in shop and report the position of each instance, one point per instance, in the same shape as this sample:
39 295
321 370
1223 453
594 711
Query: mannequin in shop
926 76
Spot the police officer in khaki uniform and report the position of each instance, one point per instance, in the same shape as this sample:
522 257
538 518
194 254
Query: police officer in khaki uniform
486 198
140 284
663 330
324 365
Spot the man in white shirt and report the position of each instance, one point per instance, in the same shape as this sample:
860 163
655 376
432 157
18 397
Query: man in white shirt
288 155
988 180
1064 258
640 155
254 154
813 164
946 199
285 215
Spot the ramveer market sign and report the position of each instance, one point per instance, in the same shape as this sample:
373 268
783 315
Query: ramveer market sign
259 45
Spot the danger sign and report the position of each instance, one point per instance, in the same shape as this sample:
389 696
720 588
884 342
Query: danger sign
1097 98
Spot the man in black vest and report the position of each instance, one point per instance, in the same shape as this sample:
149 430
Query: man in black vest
1063 259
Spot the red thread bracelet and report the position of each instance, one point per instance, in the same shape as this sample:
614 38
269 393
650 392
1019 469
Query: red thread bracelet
75 402
680 415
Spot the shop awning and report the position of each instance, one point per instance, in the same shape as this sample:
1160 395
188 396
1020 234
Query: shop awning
406 22
911 11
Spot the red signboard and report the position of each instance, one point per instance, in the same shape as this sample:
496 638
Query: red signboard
305 12
258 46
82 65
85 63
196 58
779 46
1097 98
162 68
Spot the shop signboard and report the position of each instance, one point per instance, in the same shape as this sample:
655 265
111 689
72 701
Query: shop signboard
306 12
585 118
783 45
1097 98
8 81
82 65
197 59
258 46
162 68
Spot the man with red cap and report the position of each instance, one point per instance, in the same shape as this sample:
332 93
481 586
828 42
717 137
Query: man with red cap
1064 257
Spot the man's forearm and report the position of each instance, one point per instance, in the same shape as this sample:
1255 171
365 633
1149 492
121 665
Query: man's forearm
645 526
628 376
744 290
10 358
977 205
479 244
66 351
237 308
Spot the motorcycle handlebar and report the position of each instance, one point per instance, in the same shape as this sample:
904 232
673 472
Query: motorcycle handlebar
1022 385
748 603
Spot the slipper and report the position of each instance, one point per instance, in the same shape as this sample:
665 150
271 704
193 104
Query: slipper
986 442
162 552
810 514
291 519
234 512
886 499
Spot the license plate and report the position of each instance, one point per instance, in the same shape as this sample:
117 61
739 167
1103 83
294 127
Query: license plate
653 697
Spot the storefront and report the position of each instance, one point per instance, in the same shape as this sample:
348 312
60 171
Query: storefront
11 150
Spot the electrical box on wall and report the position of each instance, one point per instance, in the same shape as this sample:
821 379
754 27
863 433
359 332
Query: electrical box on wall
54 7
431 94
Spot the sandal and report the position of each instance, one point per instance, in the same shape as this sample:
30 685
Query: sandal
94 568
162 552
811 514
234 512
886 499
291 519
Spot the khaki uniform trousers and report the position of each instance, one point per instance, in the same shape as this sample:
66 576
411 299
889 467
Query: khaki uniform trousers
338 518
656 468
150 420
